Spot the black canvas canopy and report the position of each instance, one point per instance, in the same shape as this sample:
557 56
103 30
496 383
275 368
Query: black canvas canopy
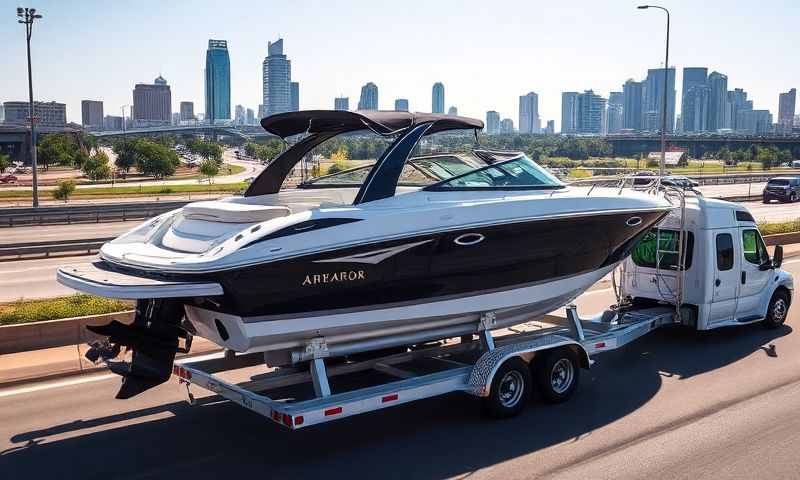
381 122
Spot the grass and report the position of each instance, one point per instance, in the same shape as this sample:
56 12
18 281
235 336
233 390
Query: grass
138 190
772 228
28 311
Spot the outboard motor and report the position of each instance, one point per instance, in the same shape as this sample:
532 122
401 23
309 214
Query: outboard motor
154 339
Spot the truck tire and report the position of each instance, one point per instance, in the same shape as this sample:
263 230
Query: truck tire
556 374
793 197
510 391
777 310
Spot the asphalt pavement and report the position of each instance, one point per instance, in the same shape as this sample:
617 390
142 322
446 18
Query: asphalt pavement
675 404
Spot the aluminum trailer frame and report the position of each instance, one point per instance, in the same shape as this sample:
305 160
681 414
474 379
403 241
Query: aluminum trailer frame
586 337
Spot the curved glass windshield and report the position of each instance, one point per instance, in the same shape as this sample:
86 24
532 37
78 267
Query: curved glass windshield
519 172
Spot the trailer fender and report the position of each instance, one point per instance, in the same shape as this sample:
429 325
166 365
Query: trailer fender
480 380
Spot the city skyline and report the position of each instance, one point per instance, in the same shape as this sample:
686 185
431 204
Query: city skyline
326 72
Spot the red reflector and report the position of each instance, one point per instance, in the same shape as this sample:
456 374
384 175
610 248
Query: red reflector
287 419
333 411
188 374
389 398
600 345
174 369
298 420
276 416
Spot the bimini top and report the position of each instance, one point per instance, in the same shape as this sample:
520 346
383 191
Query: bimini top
340 121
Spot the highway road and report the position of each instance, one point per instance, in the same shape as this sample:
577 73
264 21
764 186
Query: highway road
676 404
34 278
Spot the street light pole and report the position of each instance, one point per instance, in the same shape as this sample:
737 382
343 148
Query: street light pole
664 104
27 16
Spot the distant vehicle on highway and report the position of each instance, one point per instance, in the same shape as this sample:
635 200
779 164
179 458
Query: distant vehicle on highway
647 177
796 164
783 189
8 179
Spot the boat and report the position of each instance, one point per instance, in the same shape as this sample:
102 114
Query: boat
414 247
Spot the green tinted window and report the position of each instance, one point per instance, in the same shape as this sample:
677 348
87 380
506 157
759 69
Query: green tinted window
644 255
753 247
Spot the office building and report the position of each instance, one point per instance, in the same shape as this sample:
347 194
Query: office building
632 105
49 114
452 111
694 108
152 104
755 122
654 98
341 103
250 117
717 102
176 118
401 105
218 81
92 114
737 102
295 96
550 129
239 115
692 77
492 122
506 126
786 106
276 80
369 97
437 98
569 112
589 117
529 121
614 115
187 111
112 123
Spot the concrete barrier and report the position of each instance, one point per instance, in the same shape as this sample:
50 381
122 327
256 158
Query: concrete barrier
54 333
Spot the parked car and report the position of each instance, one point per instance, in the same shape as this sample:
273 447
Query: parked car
8 179
783 189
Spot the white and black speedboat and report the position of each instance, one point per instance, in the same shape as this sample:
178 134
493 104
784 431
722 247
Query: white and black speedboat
409 249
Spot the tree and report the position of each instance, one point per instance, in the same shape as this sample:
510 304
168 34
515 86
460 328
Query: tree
126 155
64 190
96 167
59 149
209 168
339 159
5 162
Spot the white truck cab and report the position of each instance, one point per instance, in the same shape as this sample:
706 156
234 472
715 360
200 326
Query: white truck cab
729 277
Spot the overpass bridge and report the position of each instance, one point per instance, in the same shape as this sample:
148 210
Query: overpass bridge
697 145
240 131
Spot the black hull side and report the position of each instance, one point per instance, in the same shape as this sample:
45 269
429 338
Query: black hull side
434 265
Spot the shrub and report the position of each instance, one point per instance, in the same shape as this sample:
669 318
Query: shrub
64 190
79 305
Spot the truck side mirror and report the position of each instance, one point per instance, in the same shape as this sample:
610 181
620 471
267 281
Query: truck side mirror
777 257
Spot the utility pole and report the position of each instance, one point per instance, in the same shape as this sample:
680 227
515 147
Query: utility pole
27 17
664 104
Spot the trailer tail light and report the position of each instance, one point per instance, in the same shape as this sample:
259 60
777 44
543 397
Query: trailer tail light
181 372
298 420
389 398
600 345
287 419
276 416
333 411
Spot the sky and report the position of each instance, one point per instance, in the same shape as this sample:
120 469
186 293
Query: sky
487 53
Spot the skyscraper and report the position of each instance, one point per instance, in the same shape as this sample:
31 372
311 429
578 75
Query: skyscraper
251 117
529 121
507 126
616 102
786 106
341 103
692 76
717 101
187 111
551 127
92 114
569 112
492 122
589 116
218 81
295 96
737 99
401 105
654 97
694 108
238 118
452 111
152 104
277 80
437 98
632 103
369 97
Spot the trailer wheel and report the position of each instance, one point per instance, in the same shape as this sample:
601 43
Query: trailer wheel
510 391
778 309
556 374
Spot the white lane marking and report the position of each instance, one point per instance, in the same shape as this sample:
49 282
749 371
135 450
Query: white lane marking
797 260
603 290
94 378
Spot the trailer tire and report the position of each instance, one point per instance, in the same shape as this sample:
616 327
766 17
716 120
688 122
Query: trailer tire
777 310
556 374
510 391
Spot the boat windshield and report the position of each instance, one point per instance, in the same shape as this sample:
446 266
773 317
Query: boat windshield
517 173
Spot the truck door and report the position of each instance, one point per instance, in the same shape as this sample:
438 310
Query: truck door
725 278
753 280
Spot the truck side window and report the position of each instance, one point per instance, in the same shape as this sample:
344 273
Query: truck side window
724 252
753 247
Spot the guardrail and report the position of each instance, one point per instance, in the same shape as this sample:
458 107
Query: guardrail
109 212
19 250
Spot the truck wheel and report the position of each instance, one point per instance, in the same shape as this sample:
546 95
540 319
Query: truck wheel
556 374
793 197
511 389
766 200
778 309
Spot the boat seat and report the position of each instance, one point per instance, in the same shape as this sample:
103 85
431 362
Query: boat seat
233 212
